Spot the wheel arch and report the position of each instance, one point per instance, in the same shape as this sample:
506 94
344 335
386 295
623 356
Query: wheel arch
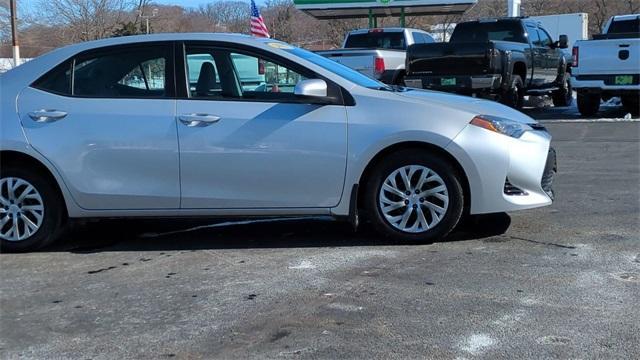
17 158
424 146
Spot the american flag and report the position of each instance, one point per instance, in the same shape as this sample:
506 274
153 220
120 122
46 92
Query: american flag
258 27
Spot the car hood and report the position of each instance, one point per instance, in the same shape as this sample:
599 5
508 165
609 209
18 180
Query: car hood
472 105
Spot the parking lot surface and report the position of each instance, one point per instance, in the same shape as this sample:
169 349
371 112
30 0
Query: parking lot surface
556 282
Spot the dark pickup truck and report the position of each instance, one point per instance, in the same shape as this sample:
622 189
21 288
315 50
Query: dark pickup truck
504 59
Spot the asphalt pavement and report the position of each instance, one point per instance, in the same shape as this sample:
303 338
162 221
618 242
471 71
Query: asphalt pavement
557 282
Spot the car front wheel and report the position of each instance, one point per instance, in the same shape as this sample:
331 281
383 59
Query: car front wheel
413 196
30 211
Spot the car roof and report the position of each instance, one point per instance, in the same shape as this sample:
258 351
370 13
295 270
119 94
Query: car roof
123 40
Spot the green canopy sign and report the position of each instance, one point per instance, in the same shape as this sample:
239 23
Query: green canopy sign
344 9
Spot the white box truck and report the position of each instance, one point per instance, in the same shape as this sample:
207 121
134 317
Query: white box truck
575 26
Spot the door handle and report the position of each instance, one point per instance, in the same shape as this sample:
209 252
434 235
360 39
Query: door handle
46 116
198 120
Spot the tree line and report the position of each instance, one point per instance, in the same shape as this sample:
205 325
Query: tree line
54 23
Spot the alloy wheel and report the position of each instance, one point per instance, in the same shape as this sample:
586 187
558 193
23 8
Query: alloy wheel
21 209
413 199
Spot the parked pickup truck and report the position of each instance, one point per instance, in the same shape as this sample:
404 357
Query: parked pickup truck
499 58
378 53
609 65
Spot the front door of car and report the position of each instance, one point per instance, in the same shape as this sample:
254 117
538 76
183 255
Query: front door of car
539 58
552 56
246 141
106 121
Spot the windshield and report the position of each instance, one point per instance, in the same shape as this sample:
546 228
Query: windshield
376 40
477 31
339 69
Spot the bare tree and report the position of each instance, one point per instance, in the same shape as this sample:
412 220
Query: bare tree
227 15
86 19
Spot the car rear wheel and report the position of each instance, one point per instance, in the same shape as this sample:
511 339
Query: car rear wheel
564 95
413 196
31 214
588 103
514 96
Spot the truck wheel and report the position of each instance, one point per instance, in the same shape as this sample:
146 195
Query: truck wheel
514 96
588 103
413 196
564 96
631 104
399 78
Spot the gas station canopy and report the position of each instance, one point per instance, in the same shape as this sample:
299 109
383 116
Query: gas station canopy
346 9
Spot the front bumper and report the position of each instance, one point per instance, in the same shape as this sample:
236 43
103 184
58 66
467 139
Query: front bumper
496 164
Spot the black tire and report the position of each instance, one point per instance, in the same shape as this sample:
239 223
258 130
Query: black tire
563 97
631 104
514 96
437 164
588 103
399 78
53 216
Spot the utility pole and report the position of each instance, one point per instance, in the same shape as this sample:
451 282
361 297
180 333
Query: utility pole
513 8
154 13
14 33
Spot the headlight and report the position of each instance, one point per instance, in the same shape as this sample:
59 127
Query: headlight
500 125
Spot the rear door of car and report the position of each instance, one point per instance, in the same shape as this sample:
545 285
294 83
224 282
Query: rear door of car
254 144
106 120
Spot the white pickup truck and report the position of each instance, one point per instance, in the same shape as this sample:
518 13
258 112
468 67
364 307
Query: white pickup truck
608 66
379 53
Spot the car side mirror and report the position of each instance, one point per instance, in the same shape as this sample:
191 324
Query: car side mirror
563 43
311 87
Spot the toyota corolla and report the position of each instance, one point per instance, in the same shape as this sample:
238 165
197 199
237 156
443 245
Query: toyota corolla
180 125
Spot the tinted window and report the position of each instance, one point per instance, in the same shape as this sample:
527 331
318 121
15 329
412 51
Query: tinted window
624 26
377 40
57 80
337 68
123 73
487 31
534 37
226 74
545 39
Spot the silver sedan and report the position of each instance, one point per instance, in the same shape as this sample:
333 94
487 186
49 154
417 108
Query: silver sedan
229 125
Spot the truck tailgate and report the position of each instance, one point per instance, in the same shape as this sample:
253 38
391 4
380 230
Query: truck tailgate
613 56
359 60
449 58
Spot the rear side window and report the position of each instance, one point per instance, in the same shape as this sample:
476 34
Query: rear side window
125 73
624 26
119 72
478 31
57 81
377 40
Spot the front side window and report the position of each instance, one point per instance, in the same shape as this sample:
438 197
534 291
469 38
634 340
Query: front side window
545 39
226 74
533 36
123 73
